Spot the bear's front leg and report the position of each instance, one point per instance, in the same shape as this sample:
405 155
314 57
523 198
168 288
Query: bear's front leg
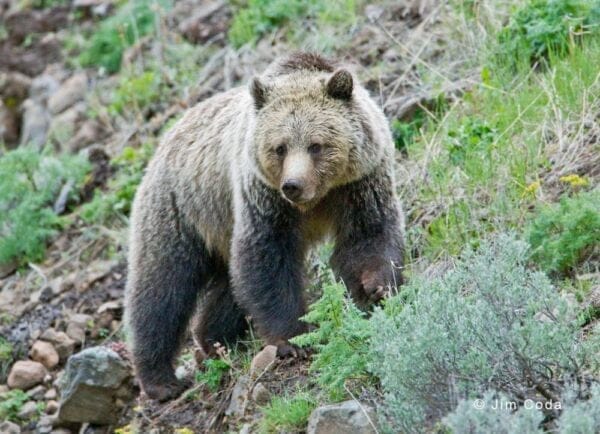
267 267
369 242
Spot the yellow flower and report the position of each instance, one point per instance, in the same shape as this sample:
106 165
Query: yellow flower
532 188
124 430
575 180
184 431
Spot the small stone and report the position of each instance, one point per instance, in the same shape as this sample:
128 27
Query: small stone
36 393
50 394
70 92
63 344
25 374
239 397
78 323
95 382
51 407
345 417
263 360
260 394
35 124
44 352
28 410
3 388
7 427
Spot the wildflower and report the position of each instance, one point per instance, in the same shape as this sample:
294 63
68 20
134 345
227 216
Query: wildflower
574 180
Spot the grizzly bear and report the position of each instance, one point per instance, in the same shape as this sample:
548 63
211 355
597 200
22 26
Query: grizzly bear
238 191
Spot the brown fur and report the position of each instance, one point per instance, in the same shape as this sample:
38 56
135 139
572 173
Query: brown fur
213 223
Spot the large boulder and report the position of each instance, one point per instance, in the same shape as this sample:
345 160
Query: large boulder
96 385
348 417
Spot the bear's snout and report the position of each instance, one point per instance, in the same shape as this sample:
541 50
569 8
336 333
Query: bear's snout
292 189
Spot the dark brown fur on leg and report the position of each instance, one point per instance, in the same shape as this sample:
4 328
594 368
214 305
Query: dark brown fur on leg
166 273
369 246
219 318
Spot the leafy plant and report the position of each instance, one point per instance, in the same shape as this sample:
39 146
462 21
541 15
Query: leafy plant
262 16
287 413
561 234
544 27
340 339
136 92
132 20
115 202
491 324
213 373
29 182
11 403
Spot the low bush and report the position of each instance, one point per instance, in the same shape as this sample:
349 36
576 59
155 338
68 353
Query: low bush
562 234
30 181
490 324
287 414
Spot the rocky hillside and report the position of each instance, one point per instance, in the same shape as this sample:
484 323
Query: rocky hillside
495 111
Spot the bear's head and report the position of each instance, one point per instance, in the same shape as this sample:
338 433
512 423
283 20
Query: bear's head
309 135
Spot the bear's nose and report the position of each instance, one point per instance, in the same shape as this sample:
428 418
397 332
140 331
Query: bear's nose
292 189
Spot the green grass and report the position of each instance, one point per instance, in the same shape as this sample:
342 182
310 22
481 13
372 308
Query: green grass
485 159
259 17
132 21
288 414
11 403
213 373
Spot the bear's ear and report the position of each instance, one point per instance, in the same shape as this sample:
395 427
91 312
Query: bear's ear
259 92
340 85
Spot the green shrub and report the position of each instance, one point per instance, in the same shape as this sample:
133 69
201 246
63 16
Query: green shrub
132 20
340 339
562 234
490 324
136 92
262 16
287 414
546 27
581 417
214 371
29 182
115 203
11 403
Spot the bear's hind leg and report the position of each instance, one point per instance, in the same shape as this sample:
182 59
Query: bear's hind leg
219 318
168 266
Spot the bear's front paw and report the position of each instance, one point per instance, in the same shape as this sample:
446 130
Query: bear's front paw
166 391
286 350
376 285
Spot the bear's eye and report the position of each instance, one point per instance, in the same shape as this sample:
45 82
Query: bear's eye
280 150
315 149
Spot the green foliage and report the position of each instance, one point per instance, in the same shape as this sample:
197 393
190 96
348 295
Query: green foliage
213 373
546 27
490 324
132 20
561 234
6 357
30 181
405 132
115 203
340 339
470 145
285 414
262 16
135 92
11 403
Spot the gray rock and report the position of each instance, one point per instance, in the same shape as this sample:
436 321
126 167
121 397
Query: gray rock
65 125
37 393
260 394
70 92
7 427
95 386
347 417
239 397
42 87
36 121
28 410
